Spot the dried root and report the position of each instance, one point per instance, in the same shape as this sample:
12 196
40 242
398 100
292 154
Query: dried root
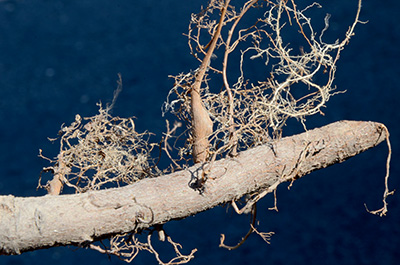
246 112
382 212
264 235
127 247
100 151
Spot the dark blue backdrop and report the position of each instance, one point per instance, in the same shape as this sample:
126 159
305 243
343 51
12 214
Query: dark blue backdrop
58 58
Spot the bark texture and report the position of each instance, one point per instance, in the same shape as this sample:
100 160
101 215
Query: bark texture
41 222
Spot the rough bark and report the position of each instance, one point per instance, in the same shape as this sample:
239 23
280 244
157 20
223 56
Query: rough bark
41 222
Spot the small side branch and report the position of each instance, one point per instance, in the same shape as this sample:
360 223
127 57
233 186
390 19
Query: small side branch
201 122
382 212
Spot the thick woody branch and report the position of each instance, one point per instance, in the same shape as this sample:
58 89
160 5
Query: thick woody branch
41 222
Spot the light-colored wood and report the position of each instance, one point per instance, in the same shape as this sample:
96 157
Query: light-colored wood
41 222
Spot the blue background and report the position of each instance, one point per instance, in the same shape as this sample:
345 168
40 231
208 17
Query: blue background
59 58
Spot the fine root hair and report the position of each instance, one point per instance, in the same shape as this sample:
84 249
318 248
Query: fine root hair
98 152
247 111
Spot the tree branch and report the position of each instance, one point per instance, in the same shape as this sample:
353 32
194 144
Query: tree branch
41 222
